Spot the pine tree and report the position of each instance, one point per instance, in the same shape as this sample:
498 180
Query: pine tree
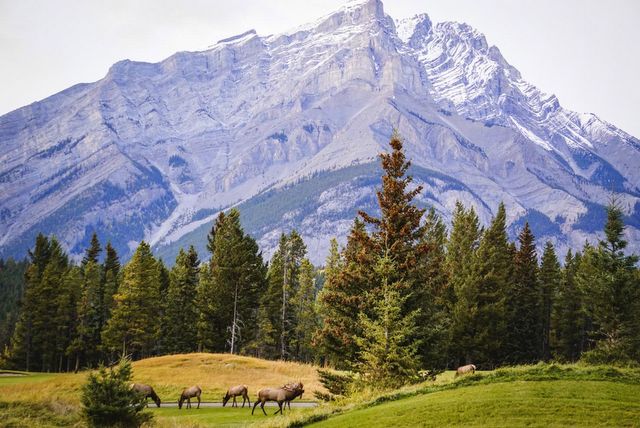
335 333
400 235
12 277
67 319
23 346
306 314
93 252
181 315
612 294
549 276
90 315
524 300
436 341
463 281
45 338
282 284
229 293
347 280
206 298
111 271
493 268
134 325
388 349
109 401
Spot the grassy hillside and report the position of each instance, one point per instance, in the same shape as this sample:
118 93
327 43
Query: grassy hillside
541 395
522 403
51 400
214 373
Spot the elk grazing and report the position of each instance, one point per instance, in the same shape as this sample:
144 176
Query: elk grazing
188 394
146 391
463 370
235 391
279 395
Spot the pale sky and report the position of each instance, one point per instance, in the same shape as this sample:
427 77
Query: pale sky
584 51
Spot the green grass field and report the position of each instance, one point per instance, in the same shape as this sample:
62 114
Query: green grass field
216 416
506 404
542 395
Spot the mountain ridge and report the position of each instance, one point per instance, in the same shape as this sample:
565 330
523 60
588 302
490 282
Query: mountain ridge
153 150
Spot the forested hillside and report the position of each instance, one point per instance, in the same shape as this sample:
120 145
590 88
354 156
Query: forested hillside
406 293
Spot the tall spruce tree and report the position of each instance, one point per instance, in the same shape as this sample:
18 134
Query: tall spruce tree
436 342
206 298
21 353
231 288
493 269
388 348
463 280
12 278
90 314
401 236
347 280
111 272
44 329
305 313
568 337
612 293
93 252
524 303
549 277
277 315
134 324
180 331
67 316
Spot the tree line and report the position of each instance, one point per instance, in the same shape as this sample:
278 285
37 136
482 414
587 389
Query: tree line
403 294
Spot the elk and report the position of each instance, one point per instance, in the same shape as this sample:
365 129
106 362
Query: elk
188 394
146 391
279 395
462 370
235 391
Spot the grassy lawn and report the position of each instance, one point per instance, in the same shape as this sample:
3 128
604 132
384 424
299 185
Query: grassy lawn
215 416
507 404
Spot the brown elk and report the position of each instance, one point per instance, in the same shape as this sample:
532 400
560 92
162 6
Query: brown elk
235 391
279 395
188 394
462 370
291 387
146 391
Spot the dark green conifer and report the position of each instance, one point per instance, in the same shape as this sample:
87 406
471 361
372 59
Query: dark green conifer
134 324
179 324
524 303
493 269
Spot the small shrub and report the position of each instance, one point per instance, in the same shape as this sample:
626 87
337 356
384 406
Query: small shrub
337 384
108 400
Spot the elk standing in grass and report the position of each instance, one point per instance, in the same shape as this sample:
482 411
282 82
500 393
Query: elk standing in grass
469 368
146 391
279 395
188 394
235 391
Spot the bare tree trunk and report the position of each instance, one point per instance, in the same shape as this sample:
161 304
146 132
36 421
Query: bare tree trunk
234 325
284 305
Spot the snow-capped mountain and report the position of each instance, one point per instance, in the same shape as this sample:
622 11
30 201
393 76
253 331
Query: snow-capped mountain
288 127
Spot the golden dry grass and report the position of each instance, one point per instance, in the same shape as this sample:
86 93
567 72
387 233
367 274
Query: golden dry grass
214 373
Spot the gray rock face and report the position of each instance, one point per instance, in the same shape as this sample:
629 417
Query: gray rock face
154 151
